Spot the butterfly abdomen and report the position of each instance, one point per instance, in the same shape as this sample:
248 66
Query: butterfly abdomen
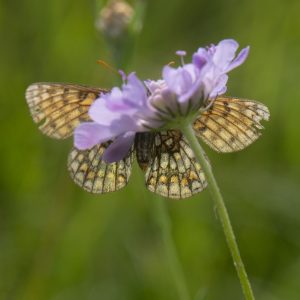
144 143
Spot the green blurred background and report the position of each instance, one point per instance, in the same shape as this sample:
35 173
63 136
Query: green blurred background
59 242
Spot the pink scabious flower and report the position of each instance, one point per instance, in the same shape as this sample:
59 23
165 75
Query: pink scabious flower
154 105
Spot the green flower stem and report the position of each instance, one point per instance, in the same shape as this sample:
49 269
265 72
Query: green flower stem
222 211
171 253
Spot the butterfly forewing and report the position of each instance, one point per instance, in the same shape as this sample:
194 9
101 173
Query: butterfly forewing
231 124
59 108
170 166
89 171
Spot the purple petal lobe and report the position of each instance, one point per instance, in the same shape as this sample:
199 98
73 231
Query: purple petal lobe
200 58
87 135
215 62
242 56
104 113
225 52
219 87
124 124
134 92
180 80
119 148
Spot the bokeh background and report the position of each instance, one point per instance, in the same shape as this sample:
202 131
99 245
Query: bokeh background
58 242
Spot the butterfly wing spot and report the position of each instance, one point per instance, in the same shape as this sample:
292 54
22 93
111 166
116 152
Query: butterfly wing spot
173 171
89 171
59 108
231 124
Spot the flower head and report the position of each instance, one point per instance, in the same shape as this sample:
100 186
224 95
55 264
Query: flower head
152 105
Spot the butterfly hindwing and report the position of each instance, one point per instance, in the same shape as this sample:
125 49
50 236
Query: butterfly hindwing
171 170
89 171
231 124
60 107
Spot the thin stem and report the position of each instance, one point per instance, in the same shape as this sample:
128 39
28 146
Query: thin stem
222 211
171 253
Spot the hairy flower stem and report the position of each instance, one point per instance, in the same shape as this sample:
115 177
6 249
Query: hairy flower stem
222 211
171 253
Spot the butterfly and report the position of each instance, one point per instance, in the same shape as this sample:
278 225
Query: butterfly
165 157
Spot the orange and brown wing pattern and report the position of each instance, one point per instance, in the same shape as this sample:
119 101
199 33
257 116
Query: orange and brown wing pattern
90 172
173 171
59 108
231 124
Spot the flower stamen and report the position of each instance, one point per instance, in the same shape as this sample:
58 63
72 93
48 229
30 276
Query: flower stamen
182 54
123 75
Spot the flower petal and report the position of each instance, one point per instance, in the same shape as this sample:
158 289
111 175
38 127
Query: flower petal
220 87
225 52
169 75
119 148
215 62
180 80
87 135
134 92
200 58
101 113
195 93
239 59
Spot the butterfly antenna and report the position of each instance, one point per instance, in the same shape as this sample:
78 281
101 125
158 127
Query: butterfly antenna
171 63
107 66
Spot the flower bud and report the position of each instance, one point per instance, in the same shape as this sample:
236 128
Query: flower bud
114 19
